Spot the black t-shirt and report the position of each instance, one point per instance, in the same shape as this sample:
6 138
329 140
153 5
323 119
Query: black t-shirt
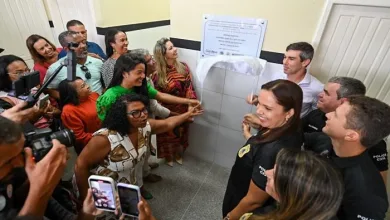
315 121
251 163
365 194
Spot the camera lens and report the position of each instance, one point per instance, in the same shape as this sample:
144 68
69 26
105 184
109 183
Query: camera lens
65 137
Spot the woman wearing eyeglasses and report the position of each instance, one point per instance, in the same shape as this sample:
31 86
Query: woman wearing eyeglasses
11 68
118 150
78 105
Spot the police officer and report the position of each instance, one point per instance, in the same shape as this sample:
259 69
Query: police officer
358 123
334 94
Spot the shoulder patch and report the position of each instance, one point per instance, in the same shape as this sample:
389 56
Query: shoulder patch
244 150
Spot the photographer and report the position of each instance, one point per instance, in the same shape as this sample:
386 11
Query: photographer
25 186
11 69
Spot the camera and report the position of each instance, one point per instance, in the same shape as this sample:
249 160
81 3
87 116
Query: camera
42 145
25 83
23 86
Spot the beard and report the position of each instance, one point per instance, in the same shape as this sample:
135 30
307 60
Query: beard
82 55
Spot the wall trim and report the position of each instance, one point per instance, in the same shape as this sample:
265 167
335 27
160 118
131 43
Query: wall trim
272 57
134 27
329 4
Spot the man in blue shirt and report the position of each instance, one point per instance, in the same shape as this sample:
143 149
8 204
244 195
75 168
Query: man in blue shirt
94 50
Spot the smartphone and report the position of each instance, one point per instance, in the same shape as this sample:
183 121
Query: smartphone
129 197
103 192
42 101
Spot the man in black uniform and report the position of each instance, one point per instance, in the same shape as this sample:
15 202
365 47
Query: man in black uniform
358 123
334 94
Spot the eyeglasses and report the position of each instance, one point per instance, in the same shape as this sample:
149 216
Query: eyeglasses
86 70
20 72
137 113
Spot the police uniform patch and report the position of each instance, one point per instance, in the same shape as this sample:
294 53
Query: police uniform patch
244 150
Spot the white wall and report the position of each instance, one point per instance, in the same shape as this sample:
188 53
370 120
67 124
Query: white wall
147 38
288 21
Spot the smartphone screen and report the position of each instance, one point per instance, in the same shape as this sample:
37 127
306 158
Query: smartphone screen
43 101
128 200
103 194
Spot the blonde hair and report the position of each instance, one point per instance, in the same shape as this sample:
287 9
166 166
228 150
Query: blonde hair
161 63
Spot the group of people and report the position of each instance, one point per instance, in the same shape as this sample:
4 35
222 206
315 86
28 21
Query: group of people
113 106
311 151
326 162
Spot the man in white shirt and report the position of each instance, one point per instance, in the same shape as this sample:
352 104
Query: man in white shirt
297 58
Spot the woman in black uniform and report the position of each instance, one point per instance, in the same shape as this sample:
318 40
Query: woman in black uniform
279 109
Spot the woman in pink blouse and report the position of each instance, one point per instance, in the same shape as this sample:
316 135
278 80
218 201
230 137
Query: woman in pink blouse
43 52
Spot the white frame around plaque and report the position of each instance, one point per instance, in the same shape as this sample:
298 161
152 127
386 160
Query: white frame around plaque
221 35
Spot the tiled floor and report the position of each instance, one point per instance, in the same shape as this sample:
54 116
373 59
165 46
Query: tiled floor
193 191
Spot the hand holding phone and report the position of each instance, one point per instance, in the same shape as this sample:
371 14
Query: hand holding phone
42 103
103 192
129 197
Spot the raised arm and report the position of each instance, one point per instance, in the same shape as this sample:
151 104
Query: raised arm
254 199
92 154
161 126
158 110
170 99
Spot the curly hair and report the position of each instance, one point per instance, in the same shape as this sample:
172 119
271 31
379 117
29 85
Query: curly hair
116 118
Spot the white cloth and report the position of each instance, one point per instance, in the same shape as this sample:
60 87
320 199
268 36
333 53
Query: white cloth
240 64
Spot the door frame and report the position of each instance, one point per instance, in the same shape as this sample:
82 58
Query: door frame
327 9
60 24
